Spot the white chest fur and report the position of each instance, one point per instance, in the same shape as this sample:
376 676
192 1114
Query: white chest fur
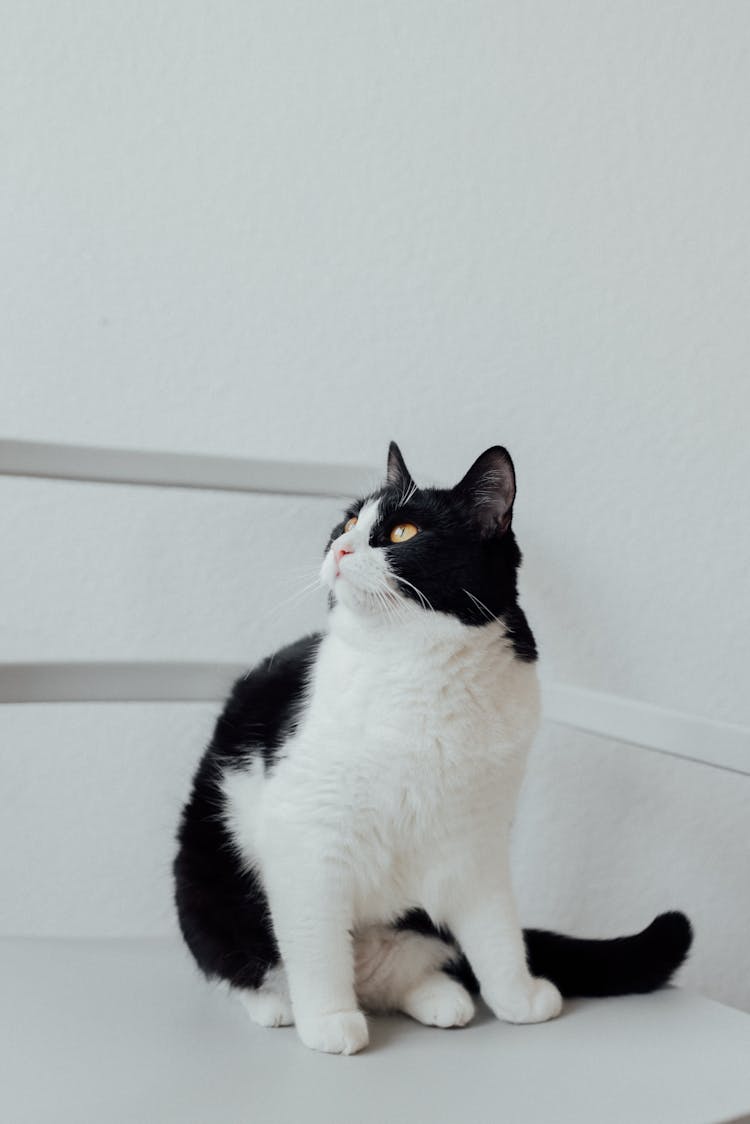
410 751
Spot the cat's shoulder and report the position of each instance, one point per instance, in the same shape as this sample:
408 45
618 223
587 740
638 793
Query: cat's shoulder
265 702
276 675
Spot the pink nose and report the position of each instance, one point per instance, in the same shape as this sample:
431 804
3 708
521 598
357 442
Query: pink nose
340 551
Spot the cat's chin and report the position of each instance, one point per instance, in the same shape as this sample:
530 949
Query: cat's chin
357 600
343 589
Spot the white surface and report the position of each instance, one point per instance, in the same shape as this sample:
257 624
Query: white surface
297 230
127 1031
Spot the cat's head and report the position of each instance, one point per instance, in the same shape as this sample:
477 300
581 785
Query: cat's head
444 550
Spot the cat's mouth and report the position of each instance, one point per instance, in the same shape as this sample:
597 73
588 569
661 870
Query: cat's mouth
349 578
351 586
355 583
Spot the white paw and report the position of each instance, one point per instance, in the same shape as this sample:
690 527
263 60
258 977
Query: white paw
439 1002
533 1001
267 1008
344 1032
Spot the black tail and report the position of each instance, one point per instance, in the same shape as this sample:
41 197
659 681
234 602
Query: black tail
619 966
639 963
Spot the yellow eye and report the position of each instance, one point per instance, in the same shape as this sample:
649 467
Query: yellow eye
350 523
403 532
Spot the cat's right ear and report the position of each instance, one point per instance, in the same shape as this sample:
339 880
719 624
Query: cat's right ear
398 475
489 487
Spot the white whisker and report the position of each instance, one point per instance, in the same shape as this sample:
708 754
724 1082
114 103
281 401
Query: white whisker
425 601
293 599
481 605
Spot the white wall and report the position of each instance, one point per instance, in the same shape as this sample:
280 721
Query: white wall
122 573
305 228
296 230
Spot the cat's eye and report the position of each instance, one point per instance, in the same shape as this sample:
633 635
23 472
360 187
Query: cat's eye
350 523
403 532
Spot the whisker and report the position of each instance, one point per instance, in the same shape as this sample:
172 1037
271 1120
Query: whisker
426 603
391 603
481 605
293 599
387 608
300 592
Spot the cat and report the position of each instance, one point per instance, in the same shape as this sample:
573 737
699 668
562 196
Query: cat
345 846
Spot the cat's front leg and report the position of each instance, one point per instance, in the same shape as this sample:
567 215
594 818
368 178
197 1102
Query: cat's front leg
310 906
485 922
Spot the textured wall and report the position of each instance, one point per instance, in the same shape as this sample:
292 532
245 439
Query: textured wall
295 230
269 227
157 573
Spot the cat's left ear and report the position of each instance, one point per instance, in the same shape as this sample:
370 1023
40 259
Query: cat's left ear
489 487
398 475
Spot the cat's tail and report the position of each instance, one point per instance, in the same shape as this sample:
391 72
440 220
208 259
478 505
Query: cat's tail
642 962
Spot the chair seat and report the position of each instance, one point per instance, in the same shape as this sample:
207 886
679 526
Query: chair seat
126 1031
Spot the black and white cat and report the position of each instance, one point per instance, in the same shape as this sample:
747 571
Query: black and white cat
345 845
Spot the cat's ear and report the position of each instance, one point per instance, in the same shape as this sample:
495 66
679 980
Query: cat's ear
489 487
398 475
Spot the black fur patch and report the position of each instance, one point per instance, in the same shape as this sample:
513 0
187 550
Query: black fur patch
221 907
621 966
264 707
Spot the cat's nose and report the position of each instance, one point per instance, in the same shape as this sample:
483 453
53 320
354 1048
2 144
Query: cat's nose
340 551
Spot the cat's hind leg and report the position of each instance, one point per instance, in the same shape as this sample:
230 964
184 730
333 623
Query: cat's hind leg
438 1000
269 1004
400 970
